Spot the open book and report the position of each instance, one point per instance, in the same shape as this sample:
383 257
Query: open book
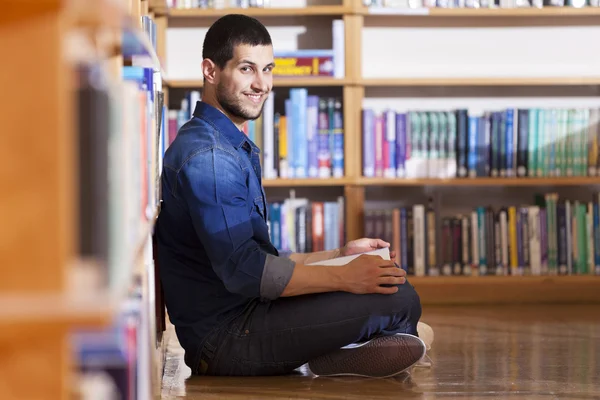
383 253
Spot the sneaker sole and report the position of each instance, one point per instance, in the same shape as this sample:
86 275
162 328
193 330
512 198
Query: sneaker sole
381 357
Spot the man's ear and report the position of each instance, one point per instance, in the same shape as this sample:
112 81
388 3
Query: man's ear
209 70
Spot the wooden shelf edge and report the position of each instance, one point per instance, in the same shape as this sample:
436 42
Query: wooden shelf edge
260 12
559 181
482 12
483 81
90 310
491 290
346 181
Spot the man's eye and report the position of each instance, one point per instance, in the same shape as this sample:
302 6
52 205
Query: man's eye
246 69
268 69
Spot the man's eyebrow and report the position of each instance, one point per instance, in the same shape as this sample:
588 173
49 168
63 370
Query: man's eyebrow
271 64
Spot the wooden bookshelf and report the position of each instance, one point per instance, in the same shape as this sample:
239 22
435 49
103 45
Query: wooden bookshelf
48 292
261 12
491 81
440 290
277 82
466 290
526 181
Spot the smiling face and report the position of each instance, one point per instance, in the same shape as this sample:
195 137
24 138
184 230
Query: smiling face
245 82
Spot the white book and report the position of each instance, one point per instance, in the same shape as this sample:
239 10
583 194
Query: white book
419 239
535 251
383 253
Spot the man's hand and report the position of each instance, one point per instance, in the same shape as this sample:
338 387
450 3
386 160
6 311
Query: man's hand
366 274
364 245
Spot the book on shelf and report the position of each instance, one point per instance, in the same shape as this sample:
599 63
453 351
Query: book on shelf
535 142
302 225
304 139
552 236
314 62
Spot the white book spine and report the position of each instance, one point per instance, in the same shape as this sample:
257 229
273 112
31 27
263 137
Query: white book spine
419 239
339 49
268 137
535 253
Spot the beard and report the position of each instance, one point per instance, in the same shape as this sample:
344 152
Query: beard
233 106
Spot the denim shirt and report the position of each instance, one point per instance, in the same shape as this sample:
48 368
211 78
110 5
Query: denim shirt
213 245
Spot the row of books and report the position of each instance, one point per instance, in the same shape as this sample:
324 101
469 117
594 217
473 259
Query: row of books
536 142
391 5
302 225
304 140
121 142
550 237
120 148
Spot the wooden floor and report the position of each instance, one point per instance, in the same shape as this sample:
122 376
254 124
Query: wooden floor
524 352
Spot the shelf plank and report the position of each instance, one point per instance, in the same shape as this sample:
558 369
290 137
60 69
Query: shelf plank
291 82
562 181
483 81
461 290
260 11
483 12
306 182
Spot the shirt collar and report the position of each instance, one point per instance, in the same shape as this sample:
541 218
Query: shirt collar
225 126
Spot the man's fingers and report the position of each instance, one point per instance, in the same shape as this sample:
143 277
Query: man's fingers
380 244
386 290
391 280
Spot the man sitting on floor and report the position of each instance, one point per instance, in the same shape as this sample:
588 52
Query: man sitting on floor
239 306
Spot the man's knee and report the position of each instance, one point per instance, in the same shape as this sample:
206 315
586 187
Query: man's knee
406 299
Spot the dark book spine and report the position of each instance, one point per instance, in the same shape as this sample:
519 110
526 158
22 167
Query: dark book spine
522 142
455 226
309 228
446 247
561 220
462 143
410 241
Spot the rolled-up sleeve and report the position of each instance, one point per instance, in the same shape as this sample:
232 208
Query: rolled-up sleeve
213 185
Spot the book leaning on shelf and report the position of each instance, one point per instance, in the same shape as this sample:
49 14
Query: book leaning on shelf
534 142
552 236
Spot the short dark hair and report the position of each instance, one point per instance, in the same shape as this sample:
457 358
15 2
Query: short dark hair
232 30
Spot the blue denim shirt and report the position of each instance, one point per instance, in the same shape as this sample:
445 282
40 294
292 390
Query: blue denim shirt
213 244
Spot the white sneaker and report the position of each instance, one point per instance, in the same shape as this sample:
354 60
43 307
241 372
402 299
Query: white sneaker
426 334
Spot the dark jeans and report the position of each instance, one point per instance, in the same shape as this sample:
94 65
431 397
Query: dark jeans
276 337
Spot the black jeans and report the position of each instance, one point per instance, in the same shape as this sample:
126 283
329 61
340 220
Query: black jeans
276 337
